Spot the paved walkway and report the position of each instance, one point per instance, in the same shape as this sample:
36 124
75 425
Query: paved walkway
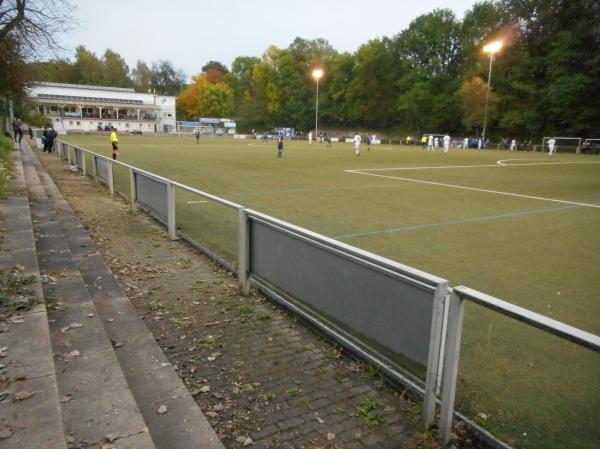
259 375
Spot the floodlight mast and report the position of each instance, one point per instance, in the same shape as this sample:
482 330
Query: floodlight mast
490 48
317 74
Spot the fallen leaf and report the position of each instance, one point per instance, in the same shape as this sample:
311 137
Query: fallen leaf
330 436
73 354
162 409
218 407
116 344
212 414
204 389
6 433
22 395
66 398
91 315
320 421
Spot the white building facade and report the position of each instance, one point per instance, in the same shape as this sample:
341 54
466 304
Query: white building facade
81 108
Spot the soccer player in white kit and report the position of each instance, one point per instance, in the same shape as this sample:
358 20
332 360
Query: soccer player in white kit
310 138
513 145
430 143
466 143
446 143
551 146
436 143
357 140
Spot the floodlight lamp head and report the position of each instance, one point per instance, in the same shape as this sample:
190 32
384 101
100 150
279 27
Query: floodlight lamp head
317 74
493 47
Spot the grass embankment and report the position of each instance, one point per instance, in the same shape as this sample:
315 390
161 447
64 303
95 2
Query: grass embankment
5 165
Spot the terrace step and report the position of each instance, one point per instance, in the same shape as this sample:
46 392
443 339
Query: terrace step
97 406
150 376
34 422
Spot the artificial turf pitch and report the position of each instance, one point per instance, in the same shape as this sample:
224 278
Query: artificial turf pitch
521 226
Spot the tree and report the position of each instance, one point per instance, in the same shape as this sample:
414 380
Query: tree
203 98
473 97
114 70
165 79
87 66
35 24
141 76
28 30
215 65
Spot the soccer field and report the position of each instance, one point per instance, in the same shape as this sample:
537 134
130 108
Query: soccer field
519 226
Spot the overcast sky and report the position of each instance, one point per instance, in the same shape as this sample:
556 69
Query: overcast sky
189 33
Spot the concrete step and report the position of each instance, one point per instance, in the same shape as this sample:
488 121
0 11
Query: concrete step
97 405
152 379
34 422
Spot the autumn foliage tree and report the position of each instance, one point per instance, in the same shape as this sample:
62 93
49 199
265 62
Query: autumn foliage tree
206 96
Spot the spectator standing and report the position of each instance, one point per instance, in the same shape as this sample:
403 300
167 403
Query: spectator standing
15 127
30 133
114 140
310 138
357 139
197 134
430 143
513 145
50 136
19 129
368 142
479 143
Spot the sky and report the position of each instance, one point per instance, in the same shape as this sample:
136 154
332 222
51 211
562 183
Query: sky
190 33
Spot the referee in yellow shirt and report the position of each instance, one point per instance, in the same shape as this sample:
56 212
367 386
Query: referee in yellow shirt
115 143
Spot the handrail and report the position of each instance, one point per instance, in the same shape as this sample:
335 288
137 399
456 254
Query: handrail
215 198
562 330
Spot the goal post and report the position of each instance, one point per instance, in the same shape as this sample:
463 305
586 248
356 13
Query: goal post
566 144
183 129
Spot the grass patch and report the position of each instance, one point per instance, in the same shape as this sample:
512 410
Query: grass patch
368 410
6 167
14 292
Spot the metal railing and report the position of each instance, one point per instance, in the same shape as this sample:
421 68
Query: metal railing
325 281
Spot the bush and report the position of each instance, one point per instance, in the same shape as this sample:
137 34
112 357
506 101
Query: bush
40 120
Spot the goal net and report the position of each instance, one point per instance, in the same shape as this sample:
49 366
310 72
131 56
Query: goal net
190 128
563 144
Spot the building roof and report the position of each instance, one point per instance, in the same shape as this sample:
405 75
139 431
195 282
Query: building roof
85 86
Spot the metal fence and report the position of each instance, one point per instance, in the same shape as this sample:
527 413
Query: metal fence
405 321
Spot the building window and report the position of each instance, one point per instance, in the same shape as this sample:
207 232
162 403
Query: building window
78 123
53 108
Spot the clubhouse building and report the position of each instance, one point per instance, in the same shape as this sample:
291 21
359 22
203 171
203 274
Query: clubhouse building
82 108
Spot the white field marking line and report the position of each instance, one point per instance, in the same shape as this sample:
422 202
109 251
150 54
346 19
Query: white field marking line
500 163
497 192
197 202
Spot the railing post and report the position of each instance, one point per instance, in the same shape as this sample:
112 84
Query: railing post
132 186
171 211
83 164
433 358
69 154
111 182
243 251
456 314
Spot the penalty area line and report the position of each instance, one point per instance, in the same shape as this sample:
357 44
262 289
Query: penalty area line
475 189
500 163
197 202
